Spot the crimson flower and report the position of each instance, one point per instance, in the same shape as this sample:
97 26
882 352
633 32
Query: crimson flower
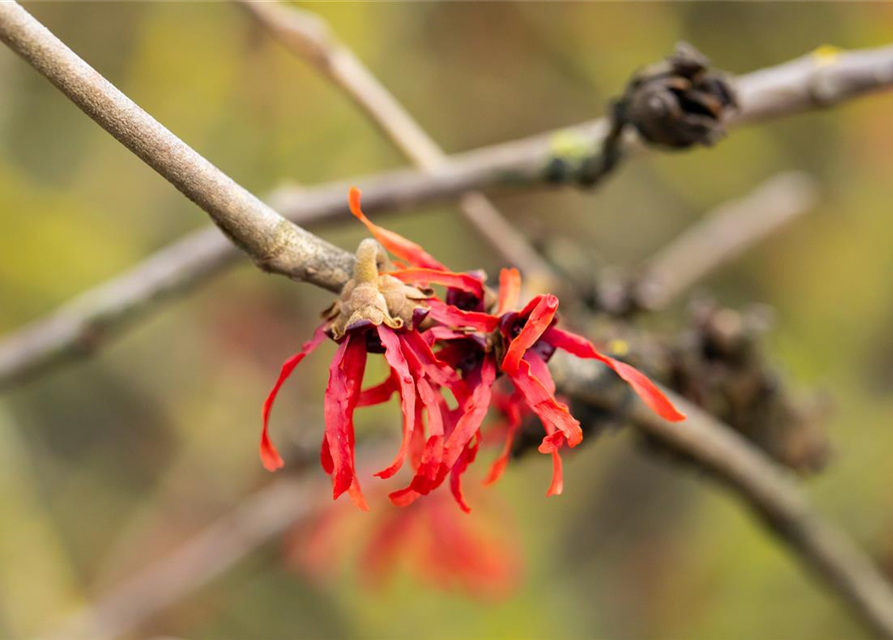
430 538
477 338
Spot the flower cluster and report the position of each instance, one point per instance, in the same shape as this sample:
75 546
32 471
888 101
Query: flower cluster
461 345
430 539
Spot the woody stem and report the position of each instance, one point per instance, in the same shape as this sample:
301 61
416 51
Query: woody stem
369 255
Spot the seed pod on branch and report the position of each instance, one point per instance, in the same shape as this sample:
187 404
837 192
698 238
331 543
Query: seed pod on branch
679 102
676 103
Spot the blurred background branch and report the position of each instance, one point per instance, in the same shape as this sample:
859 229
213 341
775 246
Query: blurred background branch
255 521
274 243
762 486
307 35
769 492
718 238
84 324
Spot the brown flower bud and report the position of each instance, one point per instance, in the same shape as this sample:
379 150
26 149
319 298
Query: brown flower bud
374 298
678 102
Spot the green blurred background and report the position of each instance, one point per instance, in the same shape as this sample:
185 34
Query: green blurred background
107 464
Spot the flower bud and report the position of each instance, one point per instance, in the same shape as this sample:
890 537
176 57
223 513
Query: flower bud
678 102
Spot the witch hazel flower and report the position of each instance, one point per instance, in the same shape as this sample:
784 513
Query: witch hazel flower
430 539
376 313
478 336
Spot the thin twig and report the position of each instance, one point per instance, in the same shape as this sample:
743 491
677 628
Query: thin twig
772 494
713 446
754 478
81 326
274 243
307 35
721 236
206 555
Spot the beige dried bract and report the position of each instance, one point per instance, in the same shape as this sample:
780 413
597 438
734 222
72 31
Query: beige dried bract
373 297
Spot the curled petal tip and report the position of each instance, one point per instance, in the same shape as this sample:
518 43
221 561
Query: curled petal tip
554 491
271 460
552 442
353 197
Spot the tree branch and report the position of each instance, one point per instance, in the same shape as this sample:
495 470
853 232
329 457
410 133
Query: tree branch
274 243
721 236
307 35
711 445
260 231
203 557
770 493
85 323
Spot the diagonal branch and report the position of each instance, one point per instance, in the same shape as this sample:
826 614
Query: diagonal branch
721 236
307 35
80 326
711 445
769 492
208 554
274 243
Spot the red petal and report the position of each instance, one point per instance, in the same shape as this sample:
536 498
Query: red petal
325 457
378 394
268 454
540 370
552 442
417 444
427 477
404 497
509 290
644 388
357 495
393 242
429 463
510 405
454 317
464 281
474 414
418 349
557 485
397 361
465 459
441 333
539 320
552 413
342 393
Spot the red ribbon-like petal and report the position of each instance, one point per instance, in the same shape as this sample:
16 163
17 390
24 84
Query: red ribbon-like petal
393 242
268 454
342 393
509 290
464 281
466 458
644 388
392 343
454 317
475 411
419 351
539 320
511 407
542 402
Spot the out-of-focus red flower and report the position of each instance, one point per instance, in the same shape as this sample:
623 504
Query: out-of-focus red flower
462 344
430 538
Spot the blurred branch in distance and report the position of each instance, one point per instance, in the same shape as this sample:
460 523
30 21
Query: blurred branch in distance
769 492
79 327
307 35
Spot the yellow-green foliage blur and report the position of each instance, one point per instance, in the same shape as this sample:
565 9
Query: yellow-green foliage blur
107 464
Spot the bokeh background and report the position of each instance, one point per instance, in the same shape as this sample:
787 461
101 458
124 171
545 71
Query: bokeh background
105 465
